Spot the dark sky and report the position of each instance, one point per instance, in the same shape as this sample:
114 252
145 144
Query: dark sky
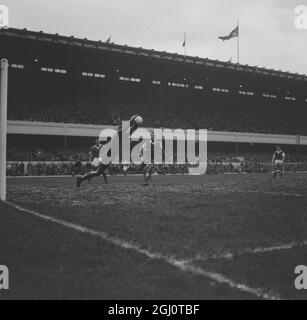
267 33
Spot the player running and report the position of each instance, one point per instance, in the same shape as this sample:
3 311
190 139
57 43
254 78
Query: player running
278 162
99 167
147 165
125 169
95 164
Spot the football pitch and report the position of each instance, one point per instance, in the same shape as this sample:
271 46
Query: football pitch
181 237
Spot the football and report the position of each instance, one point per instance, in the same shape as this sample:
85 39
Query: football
138 120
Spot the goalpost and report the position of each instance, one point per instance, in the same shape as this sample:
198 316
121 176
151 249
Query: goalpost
3 126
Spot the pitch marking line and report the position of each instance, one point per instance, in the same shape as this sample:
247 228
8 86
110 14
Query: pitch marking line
258 250
295 195
183 265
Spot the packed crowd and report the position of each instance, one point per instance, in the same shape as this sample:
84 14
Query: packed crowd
36 154
57 98
40 155
50 163
53 98
70 168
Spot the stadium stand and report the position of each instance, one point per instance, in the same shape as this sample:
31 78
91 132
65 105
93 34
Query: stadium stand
52 97
61 79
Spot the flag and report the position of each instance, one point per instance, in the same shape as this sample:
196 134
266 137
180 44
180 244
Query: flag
108 40
233 34
183 44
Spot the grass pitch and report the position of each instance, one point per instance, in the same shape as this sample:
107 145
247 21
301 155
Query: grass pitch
207 237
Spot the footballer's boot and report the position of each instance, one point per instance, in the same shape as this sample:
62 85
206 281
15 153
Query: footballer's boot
78 182
105 178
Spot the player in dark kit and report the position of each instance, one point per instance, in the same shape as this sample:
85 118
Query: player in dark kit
94 152
94 158
278 161
95 164
100 168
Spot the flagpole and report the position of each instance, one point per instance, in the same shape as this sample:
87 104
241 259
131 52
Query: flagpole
238 42
184 41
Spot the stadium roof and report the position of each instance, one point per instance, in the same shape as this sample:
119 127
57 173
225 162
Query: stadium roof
125 50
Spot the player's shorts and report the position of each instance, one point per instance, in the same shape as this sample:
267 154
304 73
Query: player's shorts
278 162
96 162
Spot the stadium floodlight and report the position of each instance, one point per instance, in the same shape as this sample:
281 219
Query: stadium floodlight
3 126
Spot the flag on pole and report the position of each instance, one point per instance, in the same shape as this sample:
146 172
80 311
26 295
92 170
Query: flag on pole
233 34
184 44
108 40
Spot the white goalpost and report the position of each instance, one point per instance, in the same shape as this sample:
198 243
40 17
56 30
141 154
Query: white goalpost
3 126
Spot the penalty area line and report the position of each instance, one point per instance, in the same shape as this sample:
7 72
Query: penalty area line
183 265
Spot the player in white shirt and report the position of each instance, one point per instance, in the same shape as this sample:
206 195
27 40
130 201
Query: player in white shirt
147 163
278 162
